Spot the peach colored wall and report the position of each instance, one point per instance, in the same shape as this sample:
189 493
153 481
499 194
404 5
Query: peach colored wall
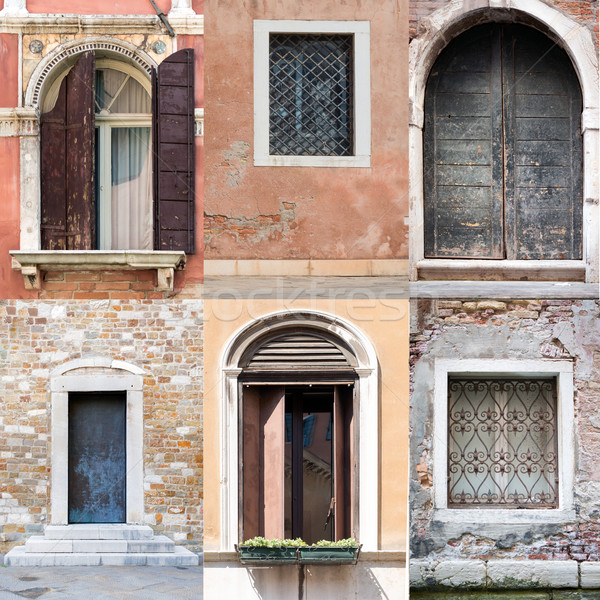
296 212
11 282
9 59
89 7
385 323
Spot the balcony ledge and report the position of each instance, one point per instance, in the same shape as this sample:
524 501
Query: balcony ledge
32 262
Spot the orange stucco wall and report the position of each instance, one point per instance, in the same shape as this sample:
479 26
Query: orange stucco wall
385 324
88 7
301 212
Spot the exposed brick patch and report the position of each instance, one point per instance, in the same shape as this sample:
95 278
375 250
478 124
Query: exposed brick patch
163 338
101 285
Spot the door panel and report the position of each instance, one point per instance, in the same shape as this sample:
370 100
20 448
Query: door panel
97 464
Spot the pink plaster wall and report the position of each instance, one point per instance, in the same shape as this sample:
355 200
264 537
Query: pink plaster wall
11 282
299 212
89 7
9 59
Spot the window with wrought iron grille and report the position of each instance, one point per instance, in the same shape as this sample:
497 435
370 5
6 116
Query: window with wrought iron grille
312 93
310 84
502 442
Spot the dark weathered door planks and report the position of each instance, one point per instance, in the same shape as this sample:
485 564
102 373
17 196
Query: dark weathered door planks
535 194
97 457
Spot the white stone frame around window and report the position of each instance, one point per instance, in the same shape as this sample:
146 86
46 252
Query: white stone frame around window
361 92
368 420
97 375
563 370
577 40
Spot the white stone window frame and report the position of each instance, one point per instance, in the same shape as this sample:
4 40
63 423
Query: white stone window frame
360 30
577 40
368 417
563 371
123 377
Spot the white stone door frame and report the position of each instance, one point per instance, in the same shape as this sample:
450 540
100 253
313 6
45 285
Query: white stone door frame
97 375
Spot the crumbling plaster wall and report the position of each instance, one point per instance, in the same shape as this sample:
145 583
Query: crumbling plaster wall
521 329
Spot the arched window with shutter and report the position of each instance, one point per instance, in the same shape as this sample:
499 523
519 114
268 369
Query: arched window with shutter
503 148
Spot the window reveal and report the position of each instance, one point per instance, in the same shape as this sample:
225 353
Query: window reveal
502 443
503 148
310 89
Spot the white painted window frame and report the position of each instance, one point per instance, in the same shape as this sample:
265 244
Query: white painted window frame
368 418
360 30
577 40
563 371
122 377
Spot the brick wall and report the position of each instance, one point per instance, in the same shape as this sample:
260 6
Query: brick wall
164 339
521 329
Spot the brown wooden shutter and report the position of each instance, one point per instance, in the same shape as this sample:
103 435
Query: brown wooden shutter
263 461
503 148
173 132
463 149
67 163
342 460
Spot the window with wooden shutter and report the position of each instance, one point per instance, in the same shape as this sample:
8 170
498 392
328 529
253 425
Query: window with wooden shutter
98 191
503 148
298 437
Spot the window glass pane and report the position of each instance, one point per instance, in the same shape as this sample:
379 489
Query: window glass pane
310 85
117 92
131 189
502 443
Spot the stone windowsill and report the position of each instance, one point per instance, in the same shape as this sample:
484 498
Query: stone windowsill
501 270
31 263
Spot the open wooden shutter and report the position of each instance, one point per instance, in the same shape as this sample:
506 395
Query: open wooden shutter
542 115
342 460
67 163
463 149
173 132
263 461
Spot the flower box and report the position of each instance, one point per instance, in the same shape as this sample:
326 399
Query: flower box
313 555
263 556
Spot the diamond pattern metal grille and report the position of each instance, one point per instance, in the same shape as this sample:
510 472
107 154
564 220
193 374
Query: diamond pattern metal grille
502 443
310 87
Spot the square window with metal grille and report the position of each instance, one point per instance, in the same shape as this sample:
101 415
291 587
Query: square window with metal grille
310 94
502 442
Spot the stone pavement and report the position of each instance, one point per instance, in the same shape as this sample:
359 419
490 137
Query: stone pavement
101 583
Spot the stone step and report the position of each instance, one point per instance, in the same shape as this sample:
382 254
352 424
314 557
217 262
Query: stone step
181 557
95 531
39 543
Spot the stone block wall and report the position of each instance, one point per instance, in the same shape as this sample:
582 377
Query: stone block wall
165 339
565 330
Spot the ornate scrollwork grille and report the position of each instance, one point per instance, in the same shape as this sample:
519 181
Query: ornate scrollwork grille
502 443
310 88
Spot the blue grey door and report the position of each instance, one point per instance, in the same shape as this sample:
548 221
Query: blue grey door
97 466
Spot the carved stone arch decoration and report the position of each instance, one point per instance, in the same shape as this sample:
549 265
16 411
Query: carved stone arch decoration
62 57
577 40
97 375
350 349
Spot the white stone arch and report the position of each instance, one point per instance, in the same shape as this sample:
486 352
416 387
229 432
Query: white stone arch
575 38
64 56
97 374
368 422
